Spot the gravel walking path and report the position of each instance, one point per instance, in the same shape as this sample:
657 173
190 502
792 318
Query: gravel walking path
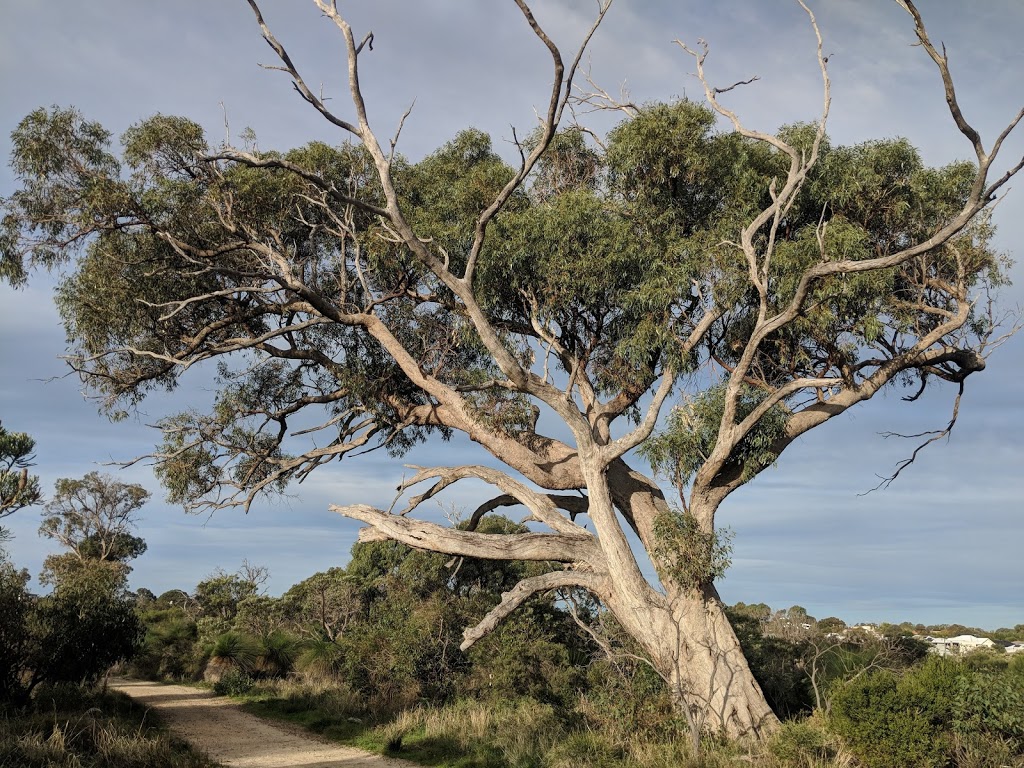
217 726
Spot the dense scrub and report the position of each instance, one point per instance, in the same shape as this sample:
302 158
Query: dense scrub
369 654
72 635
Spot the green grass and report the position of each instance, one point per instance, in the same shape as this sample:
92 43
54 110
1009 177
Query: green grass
525 733
68 727
330 711
466 734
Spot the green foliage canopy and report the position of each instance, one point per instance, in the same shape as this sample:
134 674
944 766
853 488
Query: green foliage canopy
94 518
18 489
612 258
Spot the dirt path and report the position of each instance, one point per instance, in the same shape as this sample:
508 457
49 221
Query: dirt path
217 726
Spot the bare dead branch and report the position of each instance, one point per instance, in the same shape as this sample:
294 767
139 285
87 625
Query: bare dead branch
737 84
933 436
942 62
297 81
401 124
419 534
541 506
556 104
574 505
600 100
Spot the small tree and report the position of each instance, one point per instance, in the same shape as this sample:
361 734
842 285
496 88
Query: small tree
324 604
831 659
86 625
89 621
93 518
219 594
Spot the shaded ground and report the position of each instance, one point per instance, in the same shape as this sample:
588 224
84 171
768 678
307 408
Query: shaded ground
217 726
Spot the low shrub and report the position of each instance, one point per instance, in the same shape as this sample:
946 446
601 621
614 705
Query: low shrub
628 698
983 750
584 749
170 650
277 652
234 682
802 743
990 701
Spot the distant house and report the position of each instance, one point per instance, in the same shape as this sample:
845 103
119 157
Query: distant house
868 629
956 646
1017 646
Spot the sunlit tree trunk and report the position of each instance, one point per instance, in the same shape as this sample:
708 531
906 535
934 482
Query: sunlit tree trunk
686 634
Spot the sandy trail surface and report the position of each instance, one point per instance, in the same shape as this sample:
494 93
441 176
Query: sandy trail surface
218 727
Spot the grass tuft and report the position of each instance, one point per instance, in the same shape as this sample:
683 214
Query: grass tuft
71 727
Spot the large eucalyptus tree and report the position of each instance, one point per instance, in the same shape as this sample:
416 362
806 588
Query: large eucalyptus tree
734 287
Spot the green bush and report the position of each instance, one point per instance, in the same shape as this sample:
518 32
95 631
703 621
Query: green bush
169 650
234 682
277 652
892 722
628 698
15 638
535 653
235 649
83 631
777 665
320 660
990 701
75 634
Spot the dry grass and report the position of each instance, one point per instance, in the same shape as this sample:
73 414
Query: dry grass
79 729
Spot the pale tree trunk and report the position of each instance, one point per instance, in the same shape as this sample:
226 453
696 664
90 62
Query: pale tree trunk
691 644
686 634
682 628
708 673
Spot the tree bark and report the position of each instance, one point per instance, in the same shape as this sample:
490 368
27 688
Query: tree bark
698 654
687 636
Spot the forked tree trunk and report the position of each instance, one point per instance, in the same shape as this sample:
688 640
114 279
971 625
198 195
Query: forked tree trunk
686 634
692 645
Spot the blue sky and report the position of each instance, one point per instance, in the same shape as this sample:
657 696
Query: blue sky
941 545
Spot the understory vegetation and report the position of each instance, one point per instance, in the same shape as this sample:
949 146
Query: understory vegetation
369 655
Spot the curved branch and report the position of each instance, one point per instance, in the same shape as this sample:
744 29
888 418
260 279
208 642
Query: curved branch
574 505
556 105
525 589
297 81
800 164
942 62
252 161
420 534
627 442
542 507
933 436
717 478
